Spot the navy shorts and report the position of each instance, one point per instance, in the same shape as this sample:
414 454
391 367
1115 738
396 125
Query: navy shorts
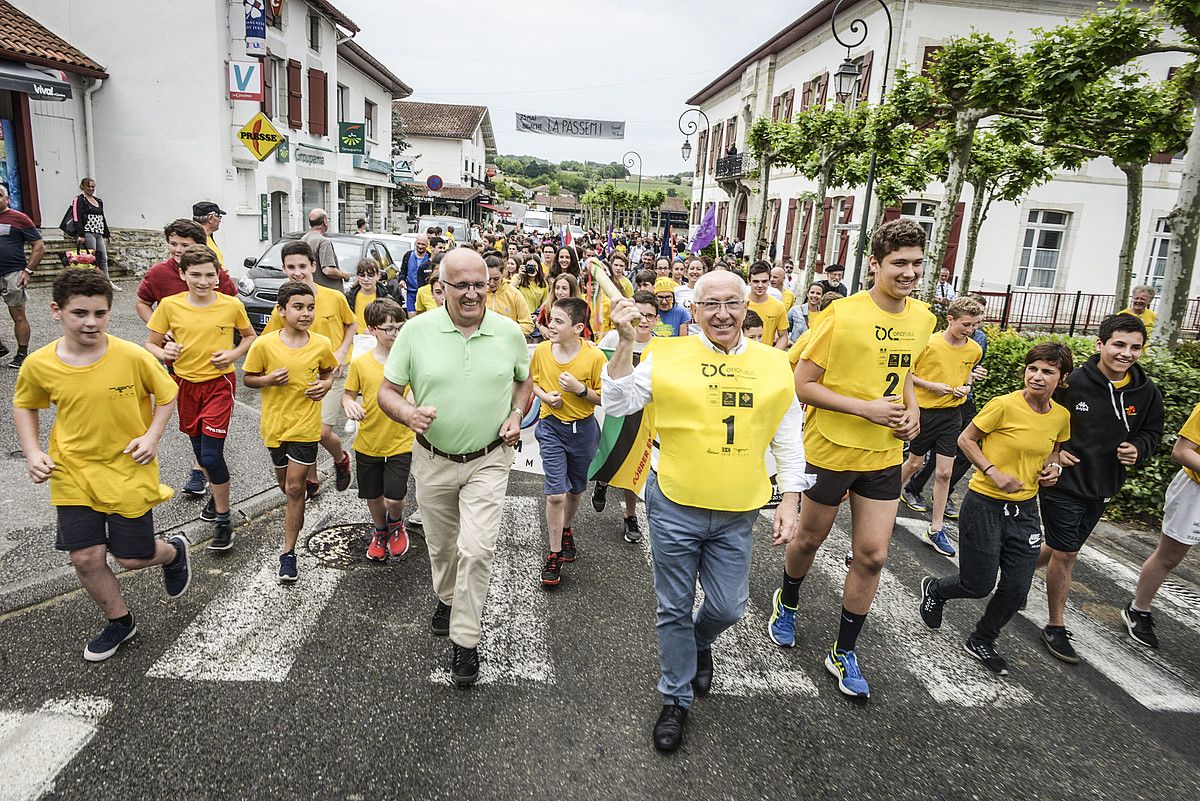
567 450
81 527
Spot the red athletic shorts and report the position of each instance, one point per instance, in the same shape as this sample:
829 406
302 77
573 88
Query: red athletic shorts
206 407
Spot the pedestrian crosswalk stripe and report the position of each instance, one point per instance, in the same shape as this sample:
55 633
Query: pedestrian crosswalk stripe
36 746
514 648
1125 577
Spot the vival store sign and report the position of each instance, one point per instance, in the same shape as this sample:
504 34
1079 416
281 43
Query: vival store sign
246 80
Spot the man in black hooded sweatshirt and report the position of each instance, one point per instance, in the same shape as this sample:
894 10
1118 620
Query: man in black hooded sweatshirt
1116 422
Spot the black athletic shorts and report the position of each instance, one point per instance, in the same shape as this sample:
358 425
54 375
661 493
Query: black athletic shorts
383 476
299 452
1067 520
939 432
126 537
875 485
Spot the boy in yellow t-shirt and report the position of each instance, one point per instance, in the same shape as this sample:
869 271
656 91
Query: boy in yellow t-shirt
854 374
1180 531
294 369
566 379
201 323
112 403
1014 444
942 379
772 312
383 447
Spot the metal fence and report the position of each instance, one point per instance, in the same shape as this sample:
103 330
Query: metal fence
1064 312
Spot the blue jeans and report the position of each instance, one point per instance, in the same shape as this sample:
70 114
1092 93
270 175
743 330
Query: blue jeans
687 542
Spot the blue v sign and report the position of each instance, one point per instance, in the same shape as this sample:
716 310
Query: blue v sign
246 80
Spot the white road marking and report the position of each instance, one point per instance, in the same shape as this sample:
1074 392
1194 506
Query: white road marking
515 648
935 658
252 409
36 746
745 661
1125 577
254 630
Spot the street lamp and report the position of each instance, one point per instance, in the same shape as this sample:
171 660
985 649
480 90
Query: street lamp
859 27
687 130
845 78
629 162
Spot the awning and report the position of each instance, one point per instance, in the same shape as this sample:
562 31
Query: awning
38 84
497 209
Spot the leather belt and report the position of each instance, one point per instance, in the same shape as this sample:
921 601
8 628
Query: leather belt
460 458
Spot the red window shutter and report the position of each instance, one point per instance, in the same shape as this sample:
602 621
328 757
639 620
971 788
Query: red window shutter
318 103
806 95
722 213
844 236
823 240
695 212
789 104
731 133
775 109
822 89
268 101
864 77
295 117
701 150
714 147
791 225
805 227
891 213
955 234
927 58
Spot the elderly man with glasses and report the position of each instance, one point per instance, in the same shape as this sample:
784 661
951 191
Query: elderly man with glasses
720 400
468 370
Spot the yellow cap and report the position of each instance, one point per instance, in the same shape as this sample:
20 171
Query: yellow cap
664 284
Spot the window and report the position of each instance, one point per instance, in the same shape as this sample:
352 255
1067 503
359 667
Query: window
369 216
369 119
247 196
1156 264
314 32
342 210
279 87
313 195
923 212
1041 248
343 102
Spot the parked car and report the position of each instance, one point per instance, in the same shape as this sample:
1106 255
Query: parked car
259 289
397 245
459 226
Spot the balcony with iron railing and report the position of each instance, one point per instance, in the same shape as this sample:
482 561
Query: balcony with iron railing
733 167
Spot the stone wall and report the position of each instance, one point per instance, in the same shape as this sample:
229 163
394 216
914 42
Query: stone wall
131 252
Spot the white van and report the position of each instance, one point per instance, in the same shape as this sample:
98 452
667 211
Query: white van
537 222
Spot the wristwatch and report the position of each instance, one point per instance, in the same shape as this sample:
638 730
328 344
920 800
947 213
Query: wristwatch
582 393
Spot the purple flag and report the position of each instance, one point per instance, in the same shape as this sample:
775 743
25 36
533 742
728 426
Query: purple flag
608 246
707 231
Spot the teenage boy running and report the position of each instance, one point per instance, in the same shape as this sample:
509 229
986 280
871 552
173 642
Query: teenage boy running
201 322
1014 444
566 378
854 374
102 463
942 378
1180 531
772 311
333 320
294 369
383 447
1116 422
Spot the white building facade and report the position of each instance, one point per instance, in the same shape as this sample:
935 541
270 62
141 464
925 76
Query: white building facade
452 144
164 131
1064 236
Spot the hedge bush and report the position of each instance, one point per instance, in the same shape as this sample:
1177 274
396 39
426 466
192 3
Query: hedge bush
1178 378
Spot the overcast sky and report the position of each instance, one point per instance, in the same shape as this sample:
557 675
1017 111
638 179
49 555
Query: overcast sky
631 60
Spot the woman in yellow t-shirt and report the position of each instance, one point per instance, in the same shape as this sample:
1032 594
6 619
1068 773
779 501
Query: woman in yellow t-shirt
1014 444
1180 531
531 283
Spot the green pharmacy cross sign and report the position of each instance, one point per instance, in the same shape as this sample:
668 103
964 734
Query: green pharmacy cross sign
352 137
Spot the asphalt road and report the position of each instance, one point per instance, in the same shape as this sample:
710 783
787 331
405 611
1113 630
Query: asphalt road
335 687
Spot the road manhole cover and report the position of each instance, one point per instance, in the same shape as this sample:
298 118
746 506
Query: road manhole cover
345 546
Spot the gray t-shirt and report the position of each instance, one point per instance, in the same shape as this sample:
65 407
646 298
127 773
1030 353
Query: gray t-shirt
323 251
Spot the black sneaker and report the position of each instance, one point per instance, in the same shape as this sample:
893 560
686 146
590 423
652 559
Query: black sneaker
568 552
464 666
287 568
209 513
441 619
223 537
1140 625
106 643
599 496
311 488
17 360
552 571
1058 643
632 532
985 652
342 472
931 607
178 574
3 350
196 484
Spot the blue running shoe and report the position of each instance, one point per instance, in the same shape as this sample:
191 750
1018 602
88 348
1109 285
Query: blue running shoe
844 665
939 541
782 628
287 567
196 484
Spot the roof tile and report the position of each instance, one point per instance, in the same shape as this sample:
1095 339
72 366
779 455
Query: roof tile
448 120
24 39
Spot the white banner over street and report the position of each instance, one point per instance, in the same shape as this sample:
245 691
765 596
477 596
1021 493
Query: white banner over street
568 126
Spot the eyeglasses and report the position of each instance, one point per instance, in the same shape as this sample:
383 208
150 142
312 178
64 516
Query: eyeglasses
389 329
370 274
465 286
719 305
649 317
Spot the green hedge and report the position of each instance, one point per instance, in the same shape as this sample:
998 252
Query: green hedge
1178 378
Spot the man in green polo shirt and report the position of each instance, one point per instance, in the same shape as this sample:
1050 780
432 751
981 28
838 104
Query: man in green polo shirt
468 370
